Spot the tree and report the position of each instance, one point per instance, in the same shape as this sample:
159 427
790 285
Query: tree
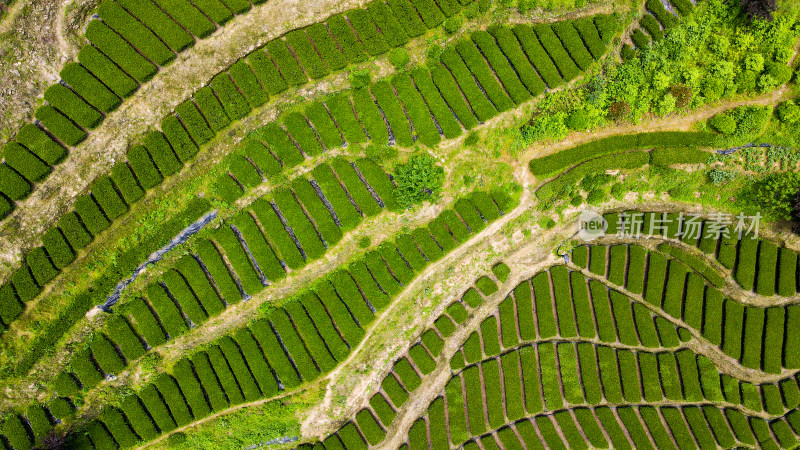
759 9
723 123
776 195
418 180
789 112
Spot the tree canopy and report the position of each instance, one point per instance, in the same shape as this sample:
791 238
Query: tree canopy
418 180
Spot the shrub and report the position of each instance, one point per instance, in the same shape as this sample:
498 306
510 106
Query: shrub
125 338
39 421
106 71
275 354
780 72
171 394
350 437
325 326
167 312
294 345
640 39
483 73
306 54
319 212
91 215
302 133
40 143
342 112
399 58
407 375
326 46
106 355
121 53
158 410
60 126
348 291
161 153
349 43
417 111
280 143
356 188
61 408
85 370
483 108
549 165
630 160
453 24
666 157
393 110
286 62
333 191
789 112
556 50
407 16
191 388
382 408
239 260
146 323
267 73
774 193
211 108
588 31
107 197
566 31
374 43
418 180
261 157
195 123
72 106
386 283
501 66
138 417
66 384
136 33
163 26
430 13
313 340
323 124
208 379
126 182
650 24
143 167
15 432
449 90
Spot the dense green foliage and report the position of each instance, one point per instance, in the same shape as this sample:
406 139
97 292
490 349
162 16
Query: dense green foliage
418 180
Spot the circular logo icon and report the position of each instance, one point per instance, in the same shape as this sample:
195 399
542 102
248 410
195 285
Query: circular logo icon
591 225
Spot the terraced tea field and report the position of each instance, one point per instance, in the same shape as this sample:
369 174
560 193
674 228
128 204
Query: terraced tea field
378 228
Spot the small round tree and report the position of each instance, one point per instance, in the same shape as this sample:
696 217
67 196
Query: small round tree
418 180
